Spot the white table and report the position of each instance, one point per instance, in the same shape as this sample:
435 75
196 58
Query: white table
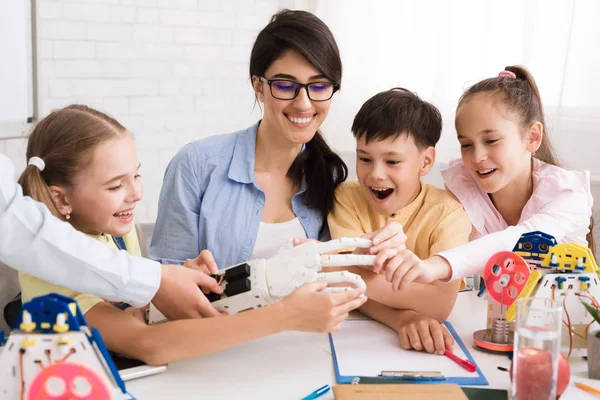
291 365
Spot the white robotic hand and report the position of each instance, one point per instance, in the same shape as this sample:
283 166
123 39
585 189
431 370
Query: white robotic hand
260 282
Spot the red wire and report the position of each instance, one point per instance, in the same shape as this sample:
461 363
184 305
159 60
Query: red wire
47 371
72 351
569 326
591 299
587 328
595 302
22 394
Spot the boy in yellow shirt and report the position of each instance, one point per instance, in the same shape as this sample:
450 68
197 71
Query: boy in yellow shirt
396 133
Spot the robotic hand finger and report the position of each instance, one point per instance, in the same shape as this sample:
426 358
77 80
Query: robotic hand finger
342 244
268 281
341 277
260 282
345 260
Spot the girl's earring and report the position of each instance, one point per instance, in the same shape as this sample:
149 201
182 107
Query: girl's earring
68 216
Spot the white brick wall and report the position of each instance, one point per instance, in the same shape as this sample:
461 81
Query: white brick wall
171 71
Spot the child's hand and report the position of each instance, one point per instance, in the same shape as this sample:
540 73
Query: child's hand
180 294
205 262
388 242
424 333
395 268
310 309
406 267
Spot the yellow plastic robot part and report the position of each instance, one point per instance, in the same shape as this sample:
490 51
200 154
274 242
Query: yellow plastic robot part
73 308
568 256
62 327
28 342
27 326
530 285
63 340
30 327
45 325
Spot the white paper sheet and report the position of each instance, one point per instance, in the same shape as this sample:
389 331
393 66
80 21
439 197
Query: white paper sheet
366 347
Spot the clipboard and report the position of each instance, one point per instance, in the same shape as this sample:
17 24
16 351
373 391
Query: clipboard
366 349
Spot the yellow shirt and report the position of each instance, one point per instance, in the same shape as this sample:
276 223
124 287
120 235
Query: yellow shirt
33 287
433 222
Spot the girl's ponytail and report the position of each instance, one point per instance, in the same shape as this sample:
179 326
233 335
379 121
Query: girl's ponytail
546 151
34 186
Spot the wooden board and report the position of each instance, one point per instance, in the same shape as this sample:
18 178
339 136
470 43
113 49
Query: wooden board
411 391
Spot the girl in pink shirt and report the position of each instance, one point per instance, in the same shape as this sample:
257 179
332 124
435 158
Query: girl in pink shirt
508 181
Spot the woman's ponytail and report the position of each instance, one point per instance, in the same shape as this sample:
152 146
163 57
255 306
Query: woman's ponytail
322 169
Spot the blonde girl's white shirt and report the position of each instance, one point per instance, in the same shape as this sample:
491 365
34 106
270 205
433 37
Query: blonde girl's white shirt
274 236
560 205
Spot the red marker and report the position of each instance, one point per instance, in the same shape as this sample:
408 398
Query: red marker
466 364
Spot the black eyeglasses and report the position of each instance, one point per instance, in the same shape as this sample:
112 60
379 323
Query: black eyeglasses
288 90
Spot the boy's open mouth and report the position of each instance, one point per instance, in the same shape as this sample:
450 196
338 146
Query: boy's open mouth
381 193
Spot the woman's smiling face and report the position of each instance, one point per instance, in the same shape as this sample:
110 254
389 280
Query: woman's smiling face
296 120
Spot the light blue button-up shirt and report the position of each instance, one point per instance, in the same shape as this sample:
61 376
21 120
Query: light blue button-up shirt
210 200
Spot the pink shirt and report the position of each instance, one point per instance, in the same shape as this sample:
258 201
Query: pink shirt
561 205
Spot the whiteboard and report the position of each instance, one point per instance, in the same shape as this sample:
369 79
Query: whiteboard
16 60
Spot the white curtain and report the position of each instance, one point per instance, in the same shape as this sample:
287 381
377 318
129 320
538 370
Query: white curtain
437 48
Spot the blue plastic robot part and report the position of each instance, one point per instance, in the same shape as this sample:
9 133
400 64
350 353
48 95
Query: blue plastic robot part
481 290
560 280
43 313
534 245
44 310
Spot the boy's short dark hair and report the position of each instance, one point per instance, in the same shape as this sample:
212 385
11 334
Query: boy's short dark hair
397 111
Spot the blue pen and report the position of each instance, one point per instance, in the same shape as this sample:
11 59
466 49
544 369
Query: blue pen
317 393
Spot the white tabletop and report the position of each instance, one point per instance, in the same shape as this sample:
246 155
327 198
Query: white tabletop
291 365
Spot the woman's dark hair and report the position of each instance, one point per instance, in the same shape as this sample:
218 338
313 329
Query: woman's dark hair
318 165
521 95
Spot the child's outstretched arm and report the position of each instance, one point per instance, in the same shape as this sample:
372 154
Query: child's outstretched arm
566 213
407 267
308 308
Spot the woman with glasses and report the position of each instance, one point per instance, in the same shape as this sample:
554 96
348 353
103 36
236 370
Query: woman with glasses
244 195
